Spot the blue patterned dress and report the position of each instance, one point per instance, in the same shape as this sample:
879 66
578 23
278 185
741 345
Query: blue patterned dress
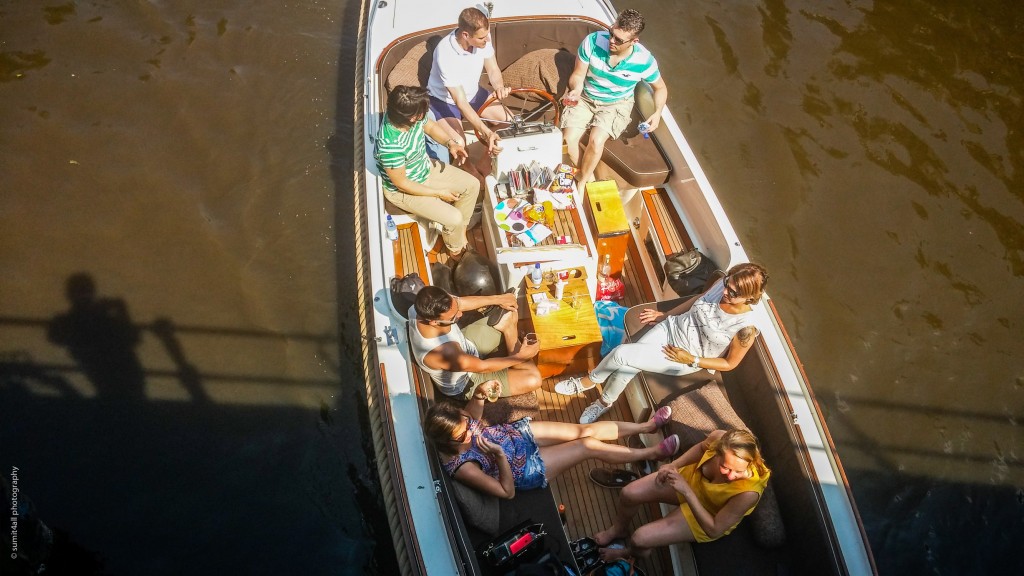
521 450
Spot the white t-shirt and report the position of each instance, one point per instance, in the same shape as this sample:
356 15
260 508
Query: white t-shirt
454 66
705 329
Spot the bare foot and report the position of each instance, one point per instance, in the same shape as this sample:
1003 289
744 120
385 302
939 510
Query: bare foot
606 537
613 554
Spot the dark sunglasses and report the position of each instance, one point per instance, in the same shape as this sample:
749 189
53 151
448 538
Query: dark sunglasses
730 292
613 38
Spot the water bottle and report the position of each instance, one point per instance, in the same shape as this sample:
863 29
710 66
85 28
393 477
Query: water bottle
644 129
392 229
536 275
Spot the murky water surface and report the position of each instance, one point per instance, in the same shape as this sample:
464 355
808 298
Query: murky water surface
175 174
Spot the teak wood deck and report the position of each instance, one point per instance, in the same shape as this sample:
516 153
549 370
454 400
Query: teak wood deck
589 508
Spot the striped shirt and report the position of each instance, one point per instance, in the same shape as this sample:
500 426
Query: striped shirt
607 84
398 149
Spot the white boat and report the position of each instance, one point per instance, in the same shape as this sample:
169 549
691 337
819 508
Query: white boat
669 205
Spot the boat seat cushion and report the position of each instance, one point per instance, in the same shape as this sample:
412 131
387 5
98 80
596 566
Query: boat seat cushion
636 159
545 69
414 68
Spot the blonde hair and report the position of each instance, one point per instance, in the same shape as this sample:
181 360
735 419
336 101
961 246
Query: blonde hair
744 446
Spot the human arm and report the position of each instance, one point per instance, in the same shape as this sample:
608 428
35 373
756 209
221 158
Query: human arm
713 525
738 347
472 475
475 407
574 88
506 301
494 75
451 357
455 145
660 98
692 456
490 137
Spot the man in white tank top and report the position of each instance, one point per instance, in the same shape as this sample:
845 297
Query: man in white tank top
453 361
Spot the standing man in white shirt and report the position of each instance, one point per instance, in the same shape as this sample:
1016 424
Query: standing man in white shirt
454 85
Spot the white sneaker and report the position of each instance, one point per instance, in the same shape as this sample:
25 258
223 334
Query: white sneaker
593 412
572 386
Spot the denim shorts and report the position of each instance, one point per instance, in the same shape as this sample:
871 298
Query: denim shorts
534 473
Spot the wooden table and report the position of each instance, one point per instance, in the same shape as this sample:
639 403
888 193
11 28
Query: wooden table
570 338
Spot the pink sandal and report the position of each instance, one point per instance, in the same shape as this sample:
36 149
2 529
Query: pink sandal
661 416
669 446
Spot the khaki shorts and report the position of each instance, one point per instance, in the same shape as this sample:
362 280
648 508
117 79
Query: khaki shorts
612 118
475 380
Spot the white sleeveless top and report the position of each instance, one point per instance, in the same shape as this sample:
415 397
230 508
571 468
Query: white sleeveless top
450 383
705 329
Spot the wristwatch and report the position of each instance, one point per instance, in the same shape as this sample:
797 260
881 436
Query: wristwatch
696 362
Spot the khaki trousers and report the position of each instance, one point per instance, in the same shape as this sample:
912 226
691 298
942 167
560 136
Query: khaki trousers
452 217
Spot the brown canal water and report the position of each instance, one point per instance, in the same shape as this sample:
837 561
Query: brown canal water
190 161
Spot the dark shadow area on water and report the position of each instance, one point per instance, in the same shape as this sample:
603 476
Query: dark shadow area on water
363 476
113 482
922 524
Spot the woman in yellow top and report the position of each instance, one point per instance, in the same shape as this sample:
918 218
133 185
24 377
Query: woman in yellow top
716 483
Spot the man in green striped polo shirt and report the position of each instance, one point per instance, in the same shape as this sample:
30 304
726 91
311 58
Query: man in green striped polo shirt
415 183
609 65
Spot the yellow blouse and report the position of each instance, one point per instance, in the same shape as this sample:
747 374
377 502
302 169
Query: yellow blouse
714 496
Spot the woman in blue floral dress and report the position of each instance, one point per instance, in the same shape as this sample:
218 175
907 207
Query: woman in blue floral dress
525 454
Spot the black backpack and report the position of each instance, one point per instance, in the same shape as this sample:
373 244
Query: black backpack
403 292
688 272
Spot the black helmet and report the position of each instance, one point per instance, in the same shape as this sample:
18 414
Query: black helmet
473 276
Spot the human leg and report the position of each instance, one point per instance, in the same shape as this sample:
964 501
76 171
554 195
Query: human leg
636 494
575 122
671 529
433 209
595 150
625 361
610 120
523 377
445 176
549 432
487 339
560 457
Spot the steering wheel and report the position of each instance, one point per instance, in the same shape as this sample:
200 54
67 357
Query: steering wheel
524 119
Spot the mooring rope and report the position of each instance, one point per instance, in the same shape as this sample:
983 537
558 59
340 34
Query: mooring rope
374 399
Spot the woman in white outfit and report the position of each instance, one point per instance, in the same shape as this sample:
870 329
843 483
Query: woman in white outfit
714 334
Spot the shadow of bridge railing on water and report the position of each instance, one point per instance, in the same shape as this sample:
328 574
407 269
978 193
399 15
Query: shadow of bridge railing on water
915 498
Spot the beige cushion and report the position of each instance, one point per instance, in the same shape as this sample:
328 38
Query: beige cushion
479 510
697 413
766 520
412 70
545 69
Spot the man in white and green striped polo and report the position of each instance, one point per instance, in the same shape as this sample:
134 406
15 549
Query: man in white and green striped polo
609 65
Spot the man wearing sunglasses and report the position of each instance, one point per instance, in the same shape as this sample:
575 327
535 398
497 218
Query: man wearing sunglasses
599 96
455 363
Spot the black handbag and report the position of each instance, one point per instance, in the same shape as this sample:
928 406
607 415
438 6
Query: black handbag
522 543
688 272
